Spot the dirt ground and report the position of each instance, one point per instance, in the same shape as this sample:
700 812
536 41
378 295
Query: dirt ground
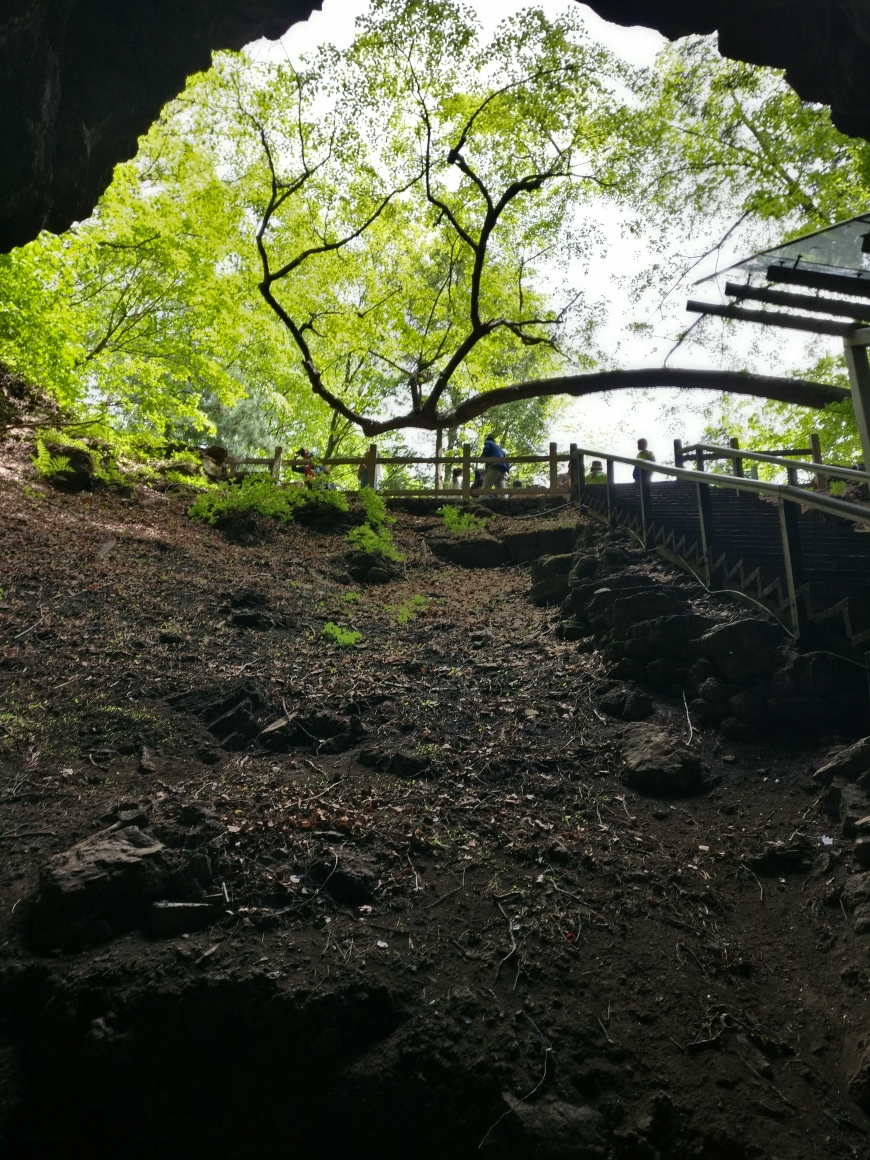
475 939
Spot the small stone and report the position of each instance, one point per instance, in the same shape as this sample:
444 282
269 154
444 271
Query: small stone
658 764
862 851
730 758
167 919
146 762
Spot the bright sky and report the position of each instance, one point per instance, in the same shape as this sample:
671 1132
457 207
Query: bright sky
608 422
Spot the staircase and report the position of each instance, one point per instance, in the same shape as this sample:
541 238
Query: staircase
746 553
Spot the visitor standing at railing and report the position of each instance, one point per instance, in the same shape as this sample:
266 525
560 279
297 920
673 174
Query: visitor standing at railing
362 475
455 483
643 452
496 473
596 473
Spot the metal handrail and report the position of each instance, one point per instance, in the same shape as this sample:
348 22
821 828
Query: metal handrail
825 503
790 464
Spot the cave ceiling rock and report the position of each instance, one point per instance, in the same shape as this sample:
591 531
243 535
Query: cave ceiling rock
81 80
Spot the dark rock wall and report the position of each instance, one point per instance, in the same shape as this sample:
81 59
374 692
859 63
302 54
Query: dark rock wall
824 45
81 80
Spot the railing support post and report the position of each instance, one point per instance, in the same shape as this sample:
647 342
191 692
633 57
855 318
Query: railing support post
792 553
705 521
581 475
466 471
276 464
372 465
611 505
573 474
699 459
679 458
554 467
816 453
855 350
643 481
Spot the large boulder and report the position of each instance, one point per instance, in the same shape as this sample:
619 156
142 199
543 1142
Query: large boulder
659 764
529 545
742 650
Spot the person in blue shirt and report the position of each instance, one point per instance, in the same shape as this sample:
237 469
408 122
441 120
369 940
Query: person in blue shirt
496 473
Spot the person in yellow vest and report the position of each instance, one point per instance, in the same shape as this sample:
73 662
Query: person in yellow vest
596 473
643 452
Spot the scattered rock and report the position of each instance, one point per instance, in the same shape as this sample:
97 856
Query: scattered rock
658 764
853 807
862 851
167 919
780 858
99 887
629 704
736 730
548 1131
368 568
550 579
399 762
848 763
856 892
742 649
470 551
247 529
349 879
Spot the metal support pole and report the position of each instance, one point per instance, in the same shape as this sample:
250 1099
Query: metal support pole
611 505
466 471
645 505
816 453
858 367
574 474
789 526
554 467
705 522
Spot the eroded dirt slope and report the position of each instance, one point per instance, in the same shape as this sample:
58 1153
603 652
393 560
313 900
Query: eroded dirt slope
435 919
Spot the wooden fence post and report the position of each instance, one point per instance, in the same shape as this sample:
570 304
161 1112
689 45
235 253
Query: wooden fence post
372 465
554 468
276 464
466 471
679 458
574 474
736 464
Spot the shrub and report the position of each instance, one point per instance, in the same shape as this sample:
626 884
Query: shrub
377 541
374 507
457 521
342 636
260 493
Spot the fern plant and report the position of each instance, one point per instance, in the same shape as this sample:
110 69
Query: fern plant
342 636
46 463
457 521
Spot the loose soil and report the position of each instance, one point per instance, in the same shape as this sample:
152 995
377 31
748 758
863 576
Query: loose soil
441 923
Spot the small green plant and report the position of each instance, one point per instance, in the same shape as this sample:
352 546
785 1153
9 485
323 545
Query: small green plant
378 541
457 521
350 597
408 608
342 636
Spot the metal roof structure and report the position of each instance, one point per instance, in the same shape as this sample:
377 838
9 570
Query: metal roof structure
834 260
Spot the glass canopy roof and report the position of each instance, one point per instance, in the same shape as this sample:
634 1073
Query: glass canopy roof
841 249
